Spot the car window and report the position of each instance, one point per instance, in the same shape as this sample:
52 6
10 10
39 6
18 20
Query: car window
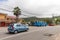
10 25
18 25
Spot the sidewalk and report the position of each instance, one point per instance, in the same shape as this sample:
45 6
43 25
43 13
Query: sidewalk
3 29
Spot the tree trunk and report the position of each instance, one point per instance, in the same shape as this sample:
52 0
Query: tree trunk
17 19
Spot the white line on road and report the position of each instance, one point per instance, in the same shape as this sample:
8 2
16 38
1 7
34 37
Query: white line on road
17 35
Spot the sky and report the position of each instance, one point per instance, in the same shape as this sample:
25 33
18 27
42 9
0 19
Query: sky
38 8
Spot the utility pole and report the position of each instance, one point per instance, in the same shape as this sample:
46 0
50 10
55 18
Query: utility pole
52 16
53 19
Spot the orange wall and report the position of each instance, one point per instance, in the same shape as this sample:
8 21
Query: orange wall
2 16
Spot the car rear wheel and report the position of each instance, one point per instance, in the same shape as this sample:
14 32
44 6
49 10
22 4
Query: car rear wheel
15 32
26 30
9 32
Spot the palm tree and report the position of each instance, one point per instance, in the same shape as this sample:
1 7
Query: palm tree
17 12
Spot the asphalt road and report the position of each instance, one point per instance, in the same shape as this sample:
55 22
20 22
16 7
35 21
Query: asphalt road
4 33
34 33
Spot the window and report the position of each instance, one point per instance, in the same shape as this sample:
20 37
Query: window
18 25
10 19
7 18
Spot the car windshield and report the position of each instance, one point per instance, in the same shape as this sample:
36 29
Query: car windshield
18 25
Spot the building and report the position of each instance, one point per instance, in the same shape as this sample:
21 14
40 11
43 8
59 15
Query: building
2 19
5 20
10 19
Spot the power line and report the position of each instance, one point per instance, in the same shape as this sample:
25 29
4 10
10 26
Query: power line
7 6
31 13
21 10
12 11
5 10
9 11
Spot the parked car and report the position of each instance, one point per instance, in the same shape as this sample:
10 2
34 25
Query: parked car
16 27
51 24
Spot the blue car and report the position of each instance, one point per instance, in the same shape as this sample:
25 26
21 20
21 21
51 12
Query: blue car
16 27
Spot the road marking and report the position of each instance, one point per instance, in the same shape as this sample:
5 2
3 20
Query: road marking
17 35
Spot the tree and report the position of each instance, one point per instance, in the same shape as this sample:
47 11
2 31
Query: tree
17 12
48 20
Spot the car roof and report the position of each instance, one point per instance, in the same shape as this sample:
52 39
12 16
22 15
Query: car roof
15 23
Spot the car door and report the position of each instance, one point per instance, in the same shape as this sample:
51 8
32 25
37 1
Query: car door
18 26
22 28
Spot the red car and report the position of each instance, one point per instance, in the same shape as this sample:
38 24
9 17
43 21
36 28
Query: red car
51 24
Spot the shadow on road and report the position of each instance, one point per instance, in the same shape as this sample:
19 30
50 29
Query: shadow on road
13 33
48 34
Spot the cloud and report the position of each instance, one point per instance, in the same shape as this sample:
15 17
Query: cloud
39 8
42 7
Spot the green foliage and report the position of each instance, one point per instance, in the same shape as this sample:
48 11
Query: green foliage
17 12
32 19
49 21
